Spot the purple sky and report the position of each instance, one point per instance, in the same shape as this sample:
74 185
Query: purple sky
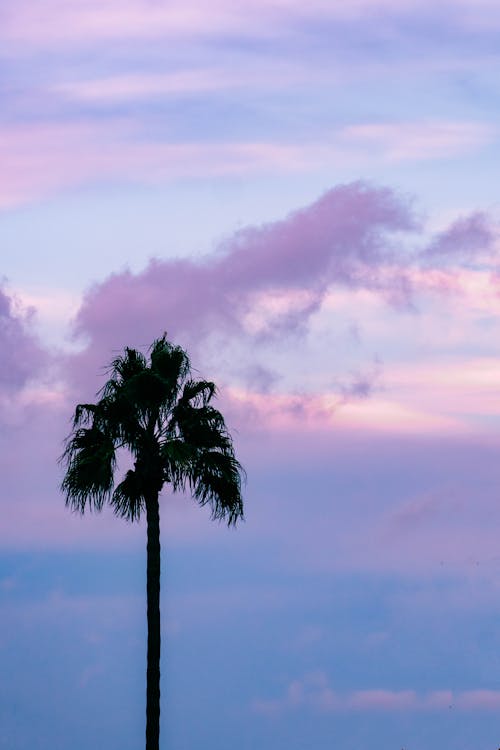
305 196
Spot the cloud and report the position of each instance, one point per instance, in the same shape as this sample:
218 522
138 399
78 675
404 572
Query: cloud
42 159
238 311
423 510
264 283
313 692
468 239
180 82
22 356
78 21
65 23
347 407
472 700
361 385
427 139
262 280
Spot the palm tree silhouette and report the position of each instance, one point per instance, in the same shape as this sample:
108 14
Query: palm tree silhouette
163 417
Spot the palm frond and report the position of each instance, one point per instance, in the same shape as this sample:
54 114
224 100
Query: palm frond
170 362
84 415
128 365
202 426
216 481
178 459
171 365
127 500
198 392
90 459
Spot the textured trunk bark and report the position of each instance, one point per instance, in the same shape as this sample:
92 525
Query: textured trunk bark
153 596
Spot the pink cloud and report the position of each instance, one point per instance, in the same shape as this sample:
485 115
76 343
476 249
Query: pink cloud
471 700
348 407
438 699
67 22
313 692
78 21
179 82
382 700
40 160
407 141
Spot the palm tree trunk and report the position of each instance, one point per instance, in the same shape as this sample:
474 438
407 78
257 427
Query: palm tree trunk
153 612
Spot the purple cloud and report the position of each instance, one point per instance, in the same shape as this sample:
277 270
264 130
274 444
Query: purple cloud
266 282
341 239
468 239
361 385
22 356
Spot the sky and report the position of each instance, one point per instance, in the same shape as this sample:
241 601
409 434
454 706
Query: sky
305 197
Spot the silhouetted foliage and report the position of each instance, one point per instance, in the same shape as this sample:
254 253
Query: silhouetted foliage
165 419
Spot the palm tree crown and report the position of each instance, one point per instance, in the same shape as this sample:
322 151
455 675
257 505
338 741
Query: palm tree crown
164 418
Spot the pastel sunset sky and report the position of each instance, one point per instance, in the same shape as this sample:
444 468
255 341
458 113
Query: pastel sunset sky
305 196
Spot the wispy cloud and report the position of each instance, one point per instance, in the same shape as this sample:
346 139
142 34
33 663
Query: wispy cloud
367 411
313 692
426 139
181 82
132 19
139 18
42 160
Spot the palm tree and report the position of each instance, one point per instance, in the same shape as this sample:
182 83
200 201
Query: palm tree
164 418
